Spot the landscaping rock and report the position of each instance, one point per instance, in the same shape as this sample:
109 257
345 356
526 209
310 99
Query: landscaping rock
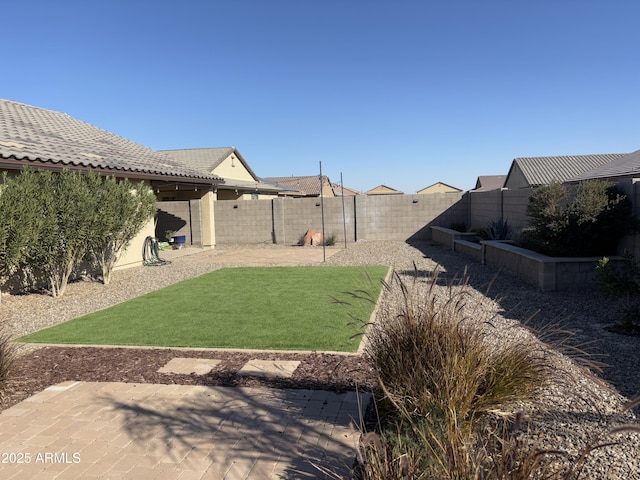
312 237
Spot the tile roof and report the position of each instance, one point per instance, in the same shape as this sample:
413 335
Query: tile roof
339 190
626 165
485 183
305 185
545 170
205 159
36 136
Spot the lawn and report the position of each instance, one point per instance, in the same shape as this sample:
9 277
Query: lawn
288 308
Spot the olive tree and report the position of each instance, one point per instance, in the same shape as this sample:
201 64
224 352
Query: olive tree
122 210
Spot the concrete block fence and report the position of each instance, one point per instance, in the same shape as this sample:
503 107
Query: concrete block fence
365 217
384 217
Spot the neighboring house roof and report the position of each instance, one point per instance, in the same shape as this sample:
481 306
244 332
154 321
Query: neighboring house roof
206 160
383 190
536 171
340 191
305 186
485 183
439 187
44 138
625 166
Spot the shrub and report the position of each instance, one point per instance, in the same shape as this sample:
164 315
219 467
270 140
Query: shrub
330 240
458 227
446 394
50 222
122 210
7 358
590 224
20 222
442 378
496 230
622 284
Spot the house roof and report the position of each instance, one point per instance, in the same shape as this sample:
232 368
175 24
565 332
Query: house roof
306 186
206 160
545 170
339 191
383 190
36 136
440 184
624 166
484 183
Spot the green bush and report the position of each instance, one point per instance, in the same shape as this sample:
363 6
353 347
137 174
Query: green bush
588 224
496 230
50 222
458 227
330 240
622 284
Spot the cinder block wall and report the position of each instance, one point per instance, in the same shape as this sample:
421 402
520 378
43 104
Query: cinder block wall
175 216
487 207
484 208
285 220
514 207
243 221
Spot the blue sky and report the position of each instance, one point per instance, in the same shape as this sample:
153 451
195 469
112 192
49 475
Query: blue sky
403 93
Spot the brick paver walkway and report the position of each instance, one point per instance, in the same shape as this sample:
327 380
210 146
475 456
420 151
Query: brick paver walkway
144 431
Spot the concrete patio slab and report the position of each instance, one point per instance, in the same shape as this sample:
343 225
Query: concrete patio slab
126 430
269 368
187 366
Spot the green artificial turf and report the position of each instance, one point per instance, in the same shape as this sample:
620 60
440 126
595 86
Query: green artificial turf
289 308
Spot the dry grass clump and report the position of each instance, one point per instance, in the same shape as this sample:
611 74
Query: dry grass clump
450 384
7 357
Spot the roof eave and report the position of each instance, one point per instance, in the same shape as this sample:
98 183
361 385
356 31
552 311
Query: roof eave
12 163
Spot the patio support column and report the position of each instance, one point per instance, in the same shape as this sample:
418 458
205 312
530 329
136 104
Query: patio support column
208 219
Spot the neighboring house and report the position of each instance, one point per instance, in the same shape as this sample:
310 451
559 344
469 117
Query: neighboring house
536 171
305 186
626 166
46 139
383 190
339 191
240 182
486 183
439 187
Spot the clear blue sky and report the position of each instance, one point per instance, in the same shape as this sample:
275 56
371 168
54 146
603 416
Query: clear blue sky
404 93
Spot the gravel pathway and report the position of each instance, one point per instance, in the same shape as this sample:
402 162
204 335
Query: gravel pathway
575 409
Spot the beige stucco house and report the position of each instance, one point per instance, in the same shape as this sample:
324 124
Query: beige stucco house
383 190
439 187
46 139
240 182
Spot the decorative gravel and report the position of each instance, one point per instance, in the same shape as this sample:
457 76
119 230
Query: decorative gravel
576 409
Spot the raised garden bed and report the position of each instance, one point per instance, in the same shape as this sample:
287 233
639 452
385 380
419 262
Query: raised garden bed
546 273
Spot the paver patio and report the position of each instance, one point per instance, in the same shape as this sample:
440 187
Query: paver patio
145 431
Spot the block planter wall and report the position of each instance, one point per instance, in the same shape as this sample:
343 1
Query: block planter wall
546 273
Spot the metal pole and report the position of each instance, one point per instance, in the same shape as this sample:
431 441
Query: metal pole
324 252
344 218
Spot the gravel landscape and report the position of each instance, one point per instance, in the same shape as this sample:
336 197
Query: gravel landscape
578 406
